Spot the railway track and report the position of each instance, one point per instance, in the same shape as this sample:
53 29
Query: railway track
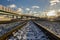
11 29
27 31
51 28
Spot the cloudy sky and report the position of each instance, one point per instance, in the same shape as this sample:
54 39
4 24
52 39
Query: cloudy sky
31 5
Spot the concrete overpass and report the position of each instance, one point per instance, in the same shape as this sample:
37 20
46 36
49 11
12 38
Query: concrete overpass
14 14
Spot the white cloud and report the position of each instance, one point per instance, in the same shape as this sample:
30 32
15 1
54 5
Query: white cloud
12 6
30 12
51 13
35 7
54 2
19 10
59 10
27 9
34 12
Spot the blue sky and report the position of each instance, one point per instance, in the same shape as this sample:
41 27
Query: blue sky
42 4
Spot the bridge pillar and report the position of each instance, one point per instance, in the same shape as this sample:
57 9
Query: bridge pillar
21 17
8 16
12 16
31 17
27 17
16 17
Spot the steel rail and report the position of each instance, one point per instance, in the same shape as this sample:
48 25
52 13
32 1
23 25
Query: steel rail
6 35
49 33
